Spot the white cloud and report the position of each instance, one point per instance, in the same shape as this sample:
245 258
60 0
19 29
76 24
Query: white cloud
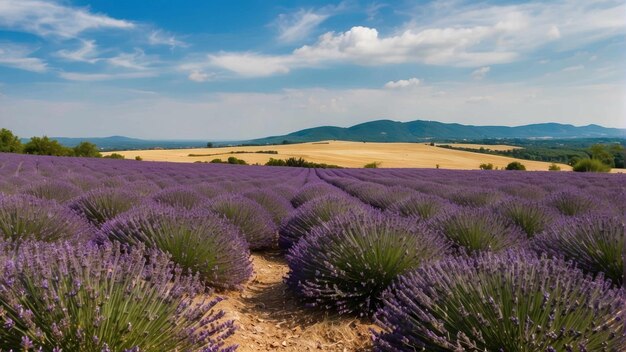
403 83
479 99
465 35
90 77
297 26
199 76
86 53
49 18
159 37
17 56
481 72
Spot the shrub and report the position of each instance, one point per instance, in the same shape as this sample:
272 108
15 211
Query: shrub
28 218
236 161
477 230
216 161
554 167
254 222
60 191
420 205
312 214
372 165
346 263
570 203
138 158
591 165
61 297
594 243
510 302
46 146
515 165
277 206
115 156
101 205
311 191
179 197
199 242
9 143
531 217
486 166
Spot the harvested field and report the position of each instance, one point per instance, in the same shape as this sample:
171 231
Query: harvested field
346 154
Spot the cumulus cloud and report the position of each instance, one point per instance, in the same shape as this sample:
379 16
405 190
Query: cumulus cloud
470 36
403 83
18 56
49 18
481 72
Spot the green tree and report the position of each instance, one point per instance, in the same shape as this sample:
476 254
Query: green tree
46 146
516 165
486 166
9 143
591 165
601 152
87 149
372 165
209 145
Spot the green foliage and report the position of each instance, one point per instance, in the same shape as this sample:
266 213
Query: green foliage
46 146
554 167
372 165
591 165
486 166
216 161
138 158
87 149
516 165
115 156
9 143
299 162
209 145
236 161
601 153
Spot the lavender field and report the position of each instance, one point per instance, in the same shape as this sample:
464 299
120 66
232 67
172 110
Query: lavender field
119 255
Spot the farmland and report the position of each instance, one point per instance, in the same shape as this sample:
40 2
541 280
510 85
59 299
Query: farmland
115 255
345 154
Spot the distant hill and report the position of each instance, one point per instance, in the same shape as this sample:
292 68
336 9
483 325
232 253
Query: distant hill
126 143
394 131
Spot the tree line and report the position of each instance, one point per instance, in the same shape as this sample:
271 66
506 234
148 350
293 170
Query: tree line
10 143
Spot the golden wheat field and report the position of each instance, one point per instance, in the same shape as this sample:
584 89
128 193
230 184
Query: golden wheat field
347 154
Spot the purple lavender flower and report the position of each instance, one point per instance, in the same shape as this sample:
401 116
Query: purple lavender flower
347 262
197 241
104 298
101 205
508 302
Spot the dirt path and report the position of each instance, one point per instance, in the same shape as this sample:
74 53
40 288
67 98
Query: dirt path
271 318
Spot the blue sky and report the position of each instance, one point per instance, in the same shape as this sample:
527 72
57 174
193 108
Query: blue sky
244 69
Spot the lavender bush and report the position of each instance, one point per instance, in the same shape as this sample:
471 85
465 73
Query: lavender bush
508 302
199 242
571 203
531 217
315 213
61 191
255 223
347 262
98 206
29 218
312 191
278 207
420 205
475 229
65 298
594 242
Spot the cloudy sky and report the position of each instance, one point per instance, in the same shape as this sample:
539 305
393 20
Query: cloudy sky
243 69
